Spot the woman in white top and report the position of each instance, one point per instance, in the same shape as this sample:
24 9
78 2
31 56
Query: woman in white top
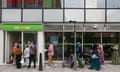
26 54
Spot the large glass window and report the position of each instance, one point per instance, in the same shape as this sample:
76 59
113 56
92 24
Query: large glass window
53 15
56 38
11 15
12 3
113 15
108 39
0 15
52 3
113 3
74 3
74 15
33 3
0 4
32 15
95 15
95 3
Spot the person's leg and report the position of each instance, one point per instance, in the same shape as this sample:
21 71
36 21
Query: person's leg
49 62
52 60
34 60
27 61
16 61
30 59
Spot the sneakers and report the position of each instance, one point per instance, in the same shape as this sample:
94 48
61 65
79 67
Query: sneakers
54 65
48 67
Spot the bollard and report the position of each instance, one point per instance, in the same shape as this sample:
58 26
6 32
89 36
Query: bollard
40 62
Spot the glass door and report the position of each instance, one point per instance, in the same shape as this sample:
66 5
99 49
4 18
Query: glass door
68 44
10 38
29 36
89 39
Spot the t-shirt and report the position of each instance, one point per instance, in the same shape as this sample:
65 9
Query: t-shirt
51 50
27 52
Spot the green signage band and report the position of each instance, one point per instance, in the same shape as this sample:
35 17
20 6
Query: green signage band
22 27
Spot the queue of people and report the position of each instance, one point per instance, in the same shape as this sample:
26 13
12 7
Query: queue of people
27 56
95 60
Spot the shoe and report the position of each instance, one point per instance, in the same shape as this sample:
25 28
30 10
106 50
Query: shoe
34 66
90 68
28 67
48 67
54 65
97 69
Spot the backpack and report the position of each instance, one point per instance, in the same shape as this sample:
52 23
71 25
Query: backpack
17 51
33 51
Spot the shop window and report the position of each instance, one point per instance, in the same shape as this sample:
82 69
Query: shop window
33 3
95 3
113 15
0 3
52 3
0 14
74 3
113 3
14 3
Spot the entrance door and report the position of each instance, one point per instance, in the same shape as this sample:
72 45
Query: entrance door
10 39
13 36
30 36
68 44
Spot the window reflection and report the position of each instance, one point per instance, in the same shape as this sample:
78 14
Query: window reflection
95 3
14 3
113 15
74 3
52 3
113 3
97 15
53 15
74 15
33 3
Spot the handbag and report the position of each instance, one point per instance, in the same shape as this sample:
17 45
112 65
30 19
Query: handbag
94 56
22 61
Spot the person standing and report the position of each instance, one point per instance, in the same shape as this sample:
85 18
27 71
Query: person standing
95 60
26 54
79 55
115 54
32 57
17 52
101 53
50 54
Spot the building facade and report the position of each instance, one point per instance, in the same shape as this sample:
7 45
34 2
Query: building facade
92 21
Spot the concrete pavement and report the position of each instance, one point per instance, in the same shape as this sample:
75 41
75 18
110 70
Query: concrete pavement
105 68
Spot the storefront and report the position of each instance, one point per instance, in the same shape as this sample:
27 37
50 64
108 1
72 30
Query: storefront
62 35
63 43
22 33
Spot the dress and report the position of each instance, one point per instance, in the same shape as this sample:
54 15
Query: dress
101 53
115 55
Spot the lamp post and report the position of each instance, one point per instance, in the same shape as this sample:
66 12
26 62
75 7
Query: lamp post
75 58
